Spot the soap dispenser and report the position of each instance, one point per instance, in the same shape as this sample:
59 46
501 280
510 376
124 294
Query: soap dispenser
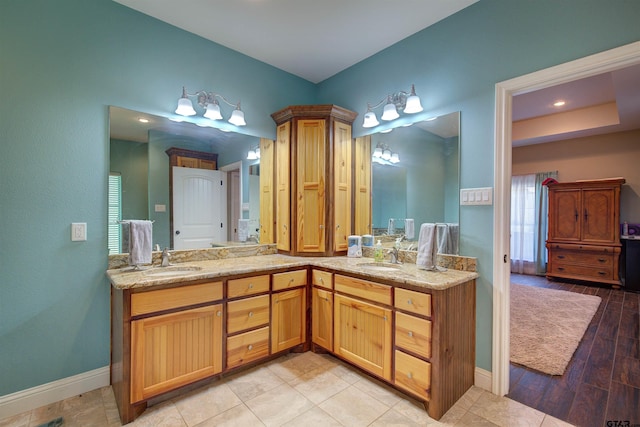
378 254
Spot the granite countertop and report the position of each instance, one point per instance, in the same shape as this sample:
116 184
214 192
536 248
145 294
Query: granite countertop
408 274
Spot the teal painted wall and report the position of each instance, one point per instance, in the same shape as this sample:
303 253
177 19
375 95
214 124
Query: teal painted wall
455 65
65 62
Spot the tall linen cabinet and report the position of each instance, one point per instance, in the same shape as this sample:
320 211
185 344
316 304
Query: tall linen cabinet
584 230
313 179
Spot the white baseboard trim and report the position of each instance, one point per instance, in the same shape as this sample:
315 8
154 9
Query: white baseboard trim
483 379
45 394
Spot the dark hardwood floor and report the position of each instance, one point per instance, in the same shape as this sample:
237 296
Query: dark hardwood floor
602 381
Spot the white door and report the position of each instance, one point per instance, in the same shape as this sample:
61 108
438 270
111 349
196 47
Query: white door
234 204
199 207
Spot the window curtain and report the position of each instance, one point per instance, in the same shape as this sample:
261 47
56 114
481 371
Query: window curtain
542 223
522 223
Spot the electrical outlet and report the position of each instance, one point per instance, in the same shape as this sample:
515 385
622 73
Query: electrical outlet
78 231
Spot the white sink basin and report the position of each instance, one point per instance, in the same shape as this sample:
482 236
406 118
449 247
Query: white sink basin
380 266
175 270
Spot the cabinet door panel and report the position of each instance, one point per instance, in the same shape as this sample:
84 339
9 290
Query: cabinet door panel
565 213
598 211
342 185
310 186
362 335
175 349
283 187
362 191
288 324
267 192
322 318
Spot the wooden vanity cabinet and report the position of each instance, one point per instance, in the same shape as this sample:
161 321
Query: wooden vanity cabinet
362 324
248 320
322 309
288 310
316 150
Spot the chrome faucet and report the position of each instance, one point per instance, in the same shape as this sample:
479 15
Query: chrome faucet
165 257
394 256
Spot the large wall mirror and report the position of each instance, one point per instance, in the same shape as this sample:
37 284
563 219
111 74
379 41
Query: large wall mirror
423 185
139 174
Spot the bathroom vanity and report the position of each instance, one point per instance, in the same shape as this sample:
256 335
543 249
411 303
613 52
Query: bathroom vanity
196 321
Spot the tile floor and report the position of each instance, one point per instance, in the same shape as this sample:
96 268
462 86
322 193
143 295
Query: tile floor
294 390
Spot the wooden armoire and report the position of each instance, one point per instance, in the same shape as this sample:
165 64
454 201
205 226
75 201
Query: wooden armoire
313 181
584 230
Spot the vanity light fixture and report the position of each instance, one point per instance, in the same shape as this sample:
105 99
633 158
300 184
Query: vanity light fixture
408 102
253 154
383 152
209 101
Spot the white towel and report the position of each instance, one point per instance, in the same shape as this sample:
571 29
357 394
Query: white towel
443 238
391 228
427 247
454 231
409 229
140 237
243 229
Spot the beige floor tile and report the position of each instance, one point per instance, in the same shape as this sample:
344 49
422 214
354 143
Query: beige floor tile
506 412
470 397
110 407
46 413
252 383
414 411
318 385
162 415
471 419
314 417
205 403
340 369
279 405
395 419
235 417
19 420
293 365
376 389
353 408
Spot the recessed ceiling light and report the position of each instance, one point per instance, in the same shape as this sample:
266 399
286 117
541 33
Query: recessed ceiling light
559 103
143 120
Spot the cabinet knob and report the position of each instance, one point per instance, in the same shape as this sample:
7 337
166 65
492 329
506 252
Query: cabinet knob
219 313
250 347
561 268
409 301
321 280
321 226
250 285
410 333
409 375
601 260
251 314
560 256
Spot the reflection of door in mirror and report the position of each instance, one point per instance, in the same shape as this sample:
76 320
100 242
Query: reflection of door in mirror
199 207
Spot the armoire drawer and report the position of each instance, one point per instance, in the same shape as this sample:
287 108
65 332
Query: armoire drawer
561 269
588 258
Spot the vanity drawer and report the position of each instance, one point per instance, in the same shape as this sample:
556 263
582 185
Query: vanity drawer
247 313
364 289
247 286
247 347
290 279
413 375
414 302
413 334
322 279
181 296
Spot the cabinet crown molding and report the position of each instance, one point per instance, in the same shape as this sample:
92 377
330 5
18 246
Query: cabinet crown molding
313 111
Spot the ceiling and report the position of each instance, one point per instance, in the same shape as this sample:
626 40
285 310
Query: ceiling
281 33
312 39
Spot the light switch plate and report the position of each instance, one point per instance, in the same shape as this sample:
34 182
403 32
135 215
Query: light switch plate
476 196
78 231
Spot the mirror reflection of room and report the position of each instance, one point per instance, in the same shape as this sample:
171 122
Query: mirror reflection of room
141 181
417 179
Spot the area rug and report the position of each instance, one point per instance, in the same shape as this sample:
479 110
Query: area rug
547 326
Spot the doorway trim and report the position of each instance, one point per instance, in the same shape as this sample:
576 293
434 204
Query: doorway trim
588 66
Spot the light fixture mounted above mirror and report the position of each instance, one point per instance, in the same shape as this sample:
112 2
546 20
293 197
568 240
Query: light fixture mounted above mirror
209 101
407 102
383 154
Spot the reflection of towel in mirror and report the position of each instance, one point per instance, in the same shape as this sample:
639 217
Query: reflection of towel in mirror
391 228
409 231
140 232
454 231
427 247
